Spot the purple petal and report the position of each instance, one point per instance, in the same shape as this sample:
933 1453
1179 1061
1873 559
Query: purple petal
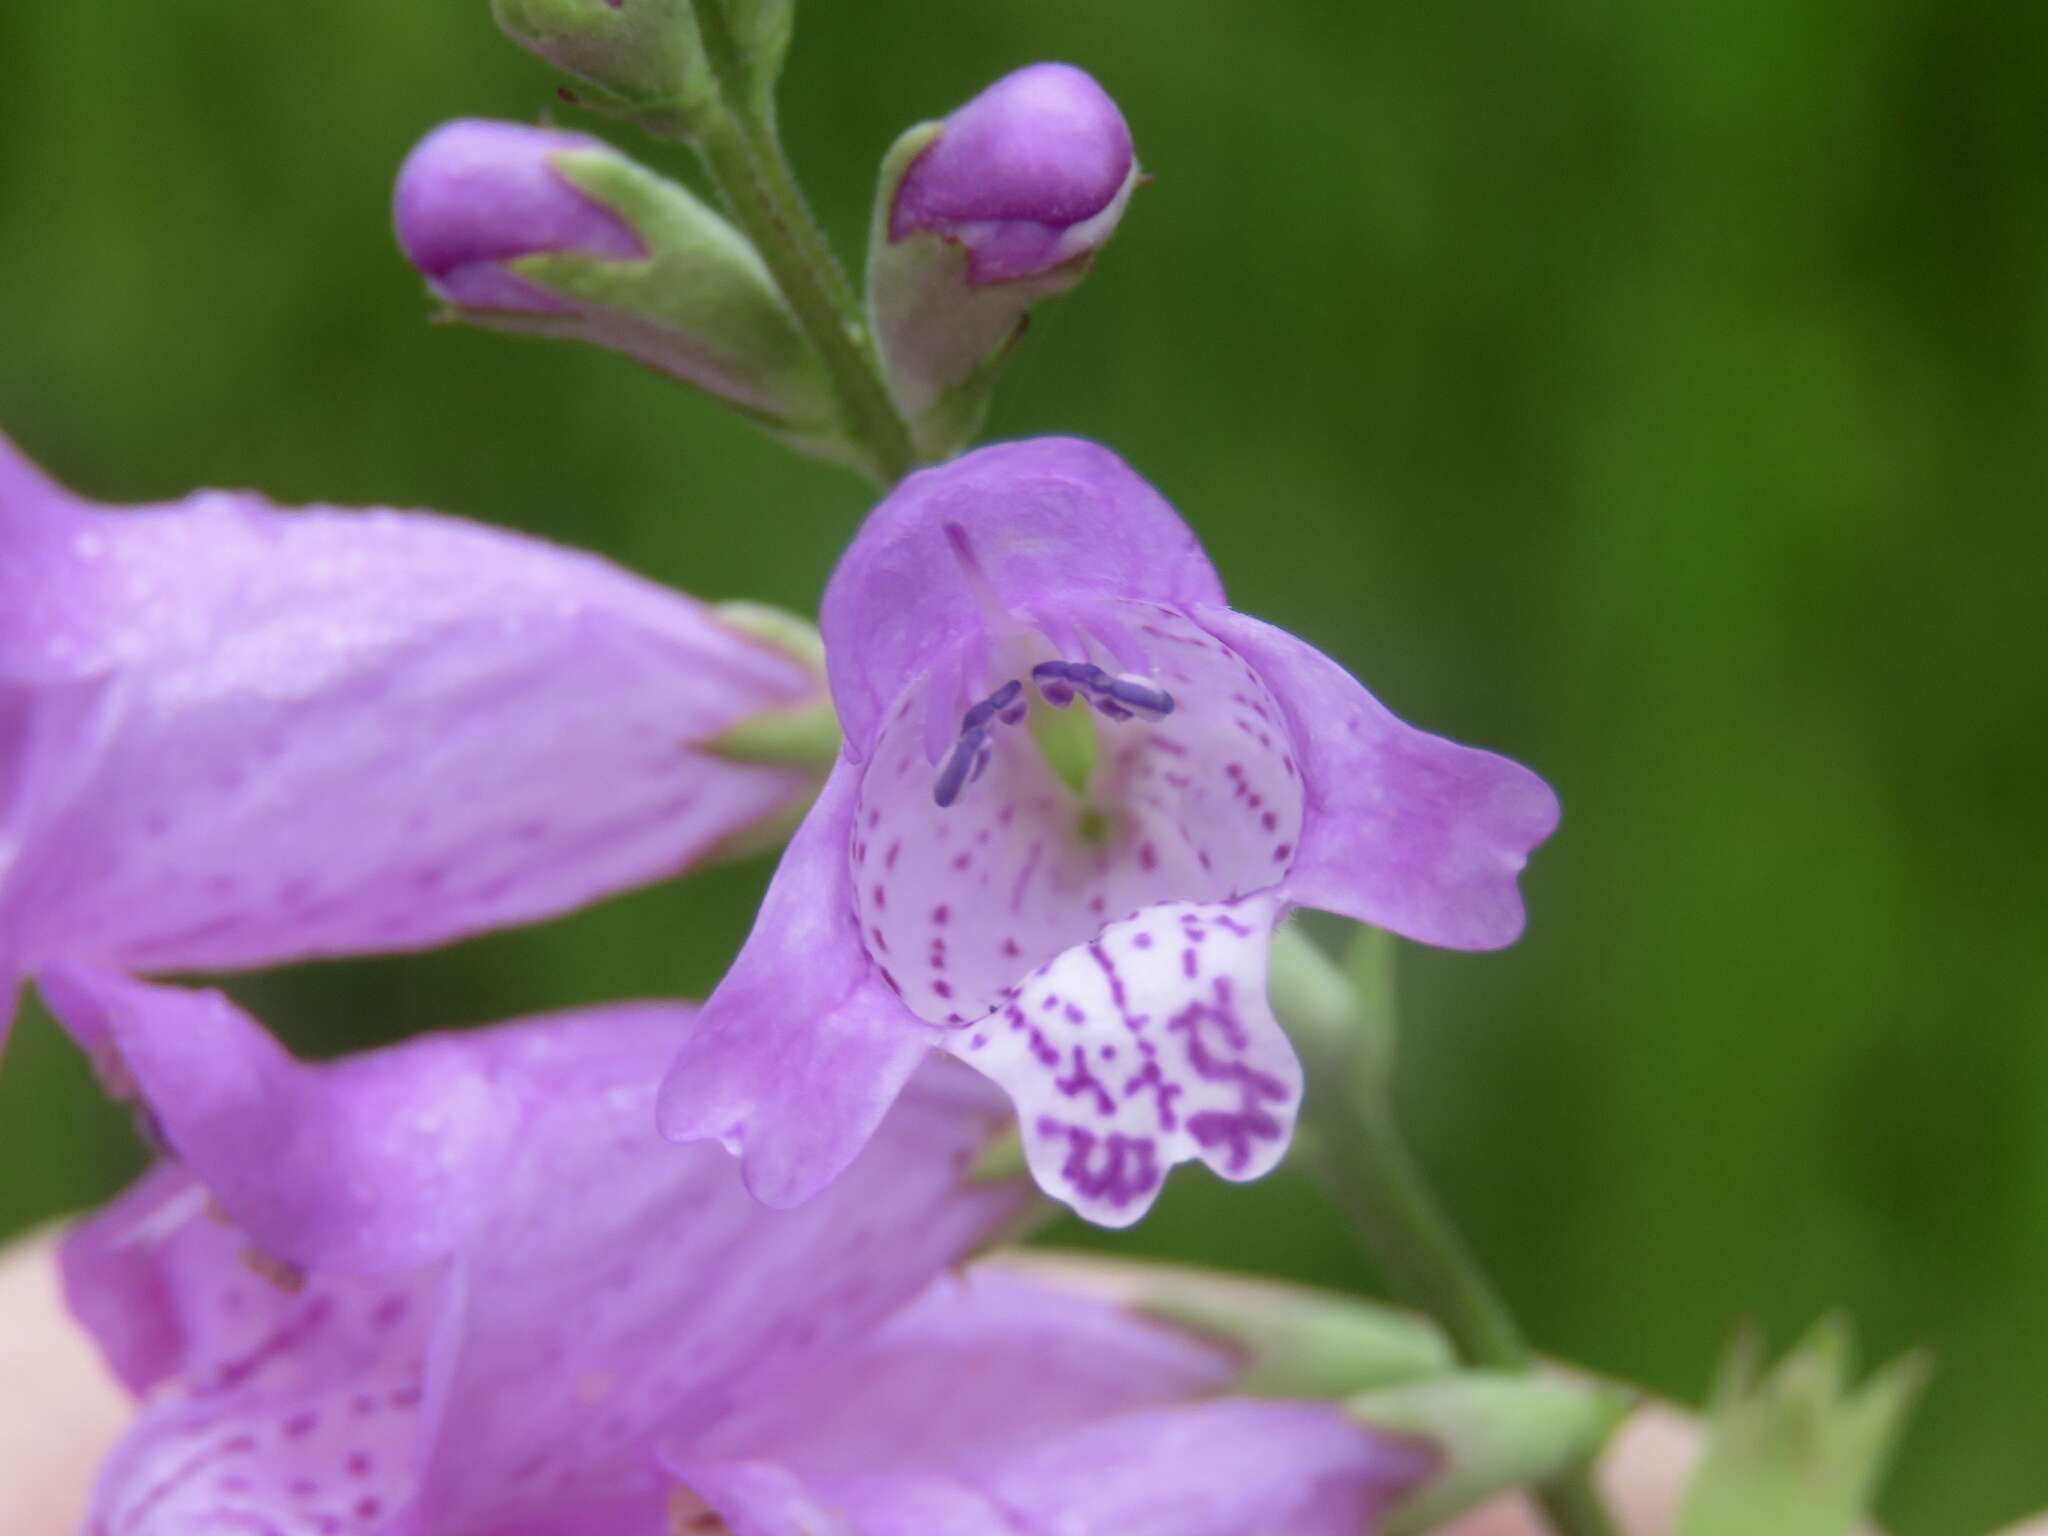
474 194
374 1164
1029 532
1149 1046
1404 830
978 1359
1210 1469
597 1292
289 1403
1017 171
803 1046
997 1404
236 735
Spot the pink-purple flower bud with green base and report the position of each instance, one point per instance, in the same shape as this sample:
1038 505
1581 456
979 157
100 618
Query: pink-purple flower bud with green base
978 218
541 232
1026 177
475 194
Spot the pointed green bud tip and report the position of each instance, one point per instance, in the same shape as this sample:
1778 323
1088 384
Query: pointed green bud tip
979 217
1492 1432
1800 1450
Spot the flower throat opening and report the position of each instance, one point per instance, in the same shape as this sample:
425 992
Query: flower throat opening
981 853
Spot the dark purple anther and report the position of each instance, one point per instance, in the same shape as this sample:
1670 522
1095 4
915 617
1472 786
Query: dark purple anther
960 762
1051 678
1118 698
1141 698
996 705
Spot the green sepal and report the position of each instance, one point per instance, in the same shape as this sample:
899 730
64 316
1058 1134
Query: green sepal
778 629
1798 1451
942 340
700 307
1492 1432
806 735
1290 1340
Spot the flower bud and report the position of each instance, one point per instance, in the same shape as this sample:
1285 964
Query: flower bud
1029 175
541 232
648 57
474 196
980 216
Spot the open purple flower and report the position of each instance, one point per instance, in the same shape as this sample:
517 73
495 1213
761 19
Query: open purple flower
447 1289
232 735
1093 939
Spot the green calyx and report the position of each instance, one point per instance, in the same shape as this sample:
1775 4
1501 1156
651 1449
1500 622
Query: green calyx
1491 1431
1798 1451
941 339
804 735
700 307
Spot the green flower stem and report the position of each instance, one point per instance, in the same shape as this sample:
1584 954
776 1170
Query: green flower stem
737 138
1343 1027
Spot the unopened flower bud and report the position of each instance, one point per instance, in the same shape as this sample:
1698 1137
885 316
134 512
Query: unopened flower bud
558 234
474 196
649 57
1026 177
980 216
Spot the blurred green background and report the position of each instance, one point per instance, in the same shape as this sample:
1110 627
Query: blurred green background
1655 394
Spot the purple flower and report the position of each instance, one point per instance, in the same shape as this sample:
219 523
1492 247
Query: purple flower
1031 174
447 1289
1099 951
232 735
474 195
539 232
